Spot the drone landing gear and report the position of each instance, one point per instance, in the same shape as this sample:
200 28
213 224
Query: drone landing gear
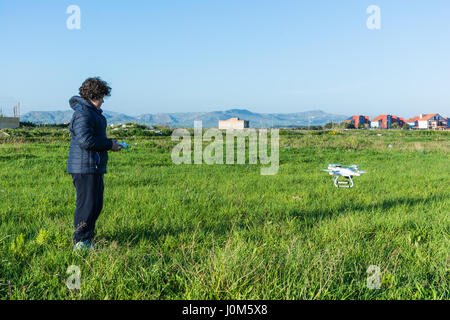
343 184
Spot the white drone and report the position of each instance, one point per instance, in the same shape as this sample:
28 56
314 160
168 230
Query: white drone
338 170
125 145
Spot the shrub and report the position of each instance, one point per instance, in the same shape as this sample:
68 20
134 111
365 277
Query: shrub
26 124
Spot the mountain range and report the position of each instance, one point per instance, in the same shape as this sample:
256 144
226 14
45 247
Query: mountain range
186 119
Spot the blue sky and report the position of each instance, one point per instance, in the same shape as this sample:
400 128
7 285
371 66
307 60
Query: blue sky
265 56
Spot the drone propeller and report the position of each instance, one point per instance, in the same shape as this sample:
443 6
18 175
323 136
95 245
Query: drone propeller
335 165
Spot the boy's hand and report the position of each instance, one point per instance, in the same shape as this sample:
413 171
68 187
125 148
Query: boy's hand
116 146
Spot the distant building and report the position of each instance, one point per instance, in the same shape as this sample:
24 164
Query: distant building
432 121
9 122
234 123
359 119
381 122
413 122
386 121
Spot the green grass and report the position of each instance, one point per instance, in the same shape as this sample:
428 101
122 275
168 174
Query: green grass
225 231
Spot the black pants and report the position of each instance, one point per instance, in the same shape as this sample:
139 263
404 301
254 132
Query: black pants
89 189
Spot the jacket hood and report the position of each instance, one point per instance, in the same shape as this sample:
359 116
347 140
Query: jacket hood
78 103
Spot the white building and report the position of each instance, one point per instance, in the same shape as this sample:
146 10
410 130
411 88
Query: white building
234 123
431 121
375 124
9 122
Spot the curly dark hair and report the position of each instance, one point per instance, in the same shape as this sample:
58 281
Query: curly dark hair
94 89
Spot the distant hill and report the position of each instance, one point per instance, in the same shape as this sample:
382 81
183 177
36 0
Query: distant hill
209 119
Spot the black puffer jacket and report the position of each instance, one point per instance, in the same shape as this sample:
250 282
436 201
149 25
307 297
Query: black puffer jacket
89 144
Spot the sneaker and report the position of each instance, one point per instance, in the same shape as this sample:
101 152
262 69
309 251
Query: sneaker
84 245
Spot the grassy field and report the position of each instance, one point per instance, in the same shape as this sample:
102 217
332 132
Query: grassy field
225 231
